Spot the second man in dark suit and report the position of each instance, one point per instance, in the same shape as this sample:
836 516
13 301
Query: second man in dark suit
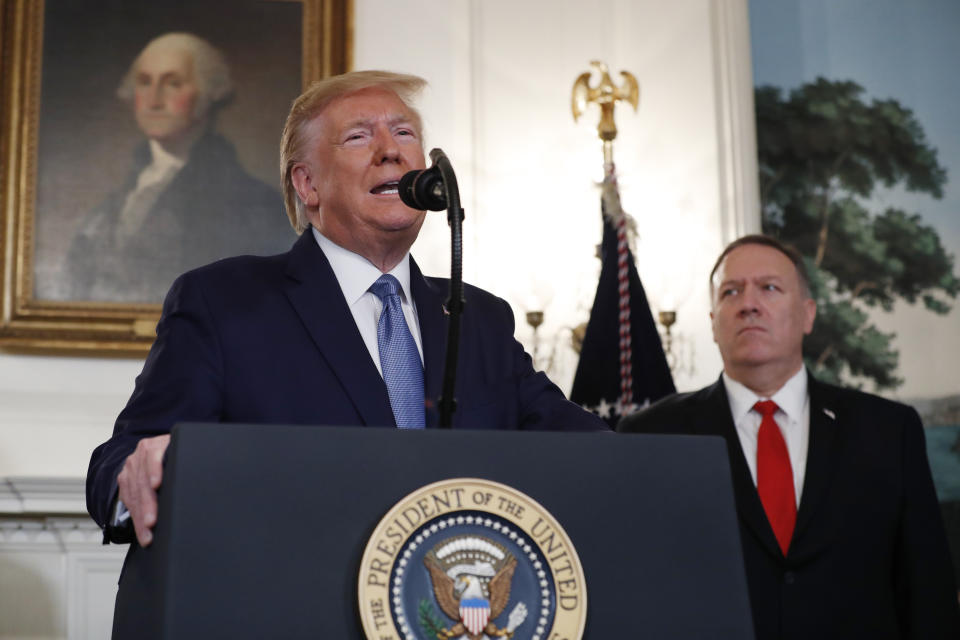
841 531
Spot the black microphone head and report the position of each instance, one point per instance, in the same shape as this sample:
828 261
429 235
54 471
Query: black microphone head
423 190
405 189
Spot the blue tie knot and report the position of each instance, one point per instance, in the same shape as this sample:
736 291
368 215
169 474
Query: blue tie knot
385 286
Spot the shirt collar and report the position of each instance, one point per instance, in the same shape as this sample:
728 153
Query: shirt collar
356 274
791 397
162 158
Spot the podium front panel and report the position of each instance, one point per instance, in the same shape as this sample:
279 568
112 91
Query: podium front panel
262 528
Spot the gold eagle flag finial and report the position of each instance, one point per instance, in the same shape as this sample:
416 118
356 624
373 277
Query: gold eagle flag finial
606 94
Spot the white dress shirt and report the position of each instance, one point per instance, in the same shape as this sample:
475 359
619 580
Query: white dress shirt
356 274
151 182
793 418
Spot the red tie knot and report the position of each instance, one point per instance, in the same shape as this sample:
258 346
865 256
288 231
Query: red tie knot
766 408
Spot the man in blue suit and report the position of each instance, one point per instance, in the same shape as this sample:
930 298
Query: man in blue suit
294 338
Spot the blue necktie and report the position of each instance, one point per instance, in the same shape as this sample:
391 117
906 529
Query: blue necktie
399 358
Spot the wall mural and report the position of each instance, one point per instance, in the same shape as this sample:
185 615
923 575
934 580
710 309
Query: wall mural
859 153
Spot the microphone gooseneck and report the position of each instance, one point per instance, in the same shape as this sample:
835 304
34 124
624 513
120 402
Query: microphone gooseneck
435 189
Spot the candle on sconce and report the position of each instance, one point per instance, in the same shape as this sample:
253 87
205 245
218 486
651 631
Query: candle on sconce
667 318
535 319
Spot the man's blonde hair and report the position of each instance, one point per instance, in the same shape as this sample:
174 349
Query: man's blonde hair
294 141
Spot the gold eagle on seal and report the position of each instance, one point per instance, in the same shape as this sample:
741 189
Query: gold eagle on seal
471 579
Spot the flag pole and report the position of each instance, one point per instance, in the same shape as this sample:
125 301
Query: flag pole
622 366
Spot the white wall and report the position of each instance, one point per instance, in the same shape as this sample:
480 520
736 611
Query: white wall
54 411
500 76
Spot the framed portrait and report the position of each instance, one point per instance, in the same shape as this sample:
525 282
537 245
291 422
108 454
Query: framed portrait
139 140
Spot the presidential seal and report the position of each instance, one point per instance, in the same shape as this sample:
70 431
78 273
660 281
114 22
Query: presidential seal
469 559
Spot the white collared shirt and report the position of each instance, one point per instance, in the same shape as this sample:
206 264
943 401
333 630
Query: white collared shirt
153 179
793 417
162 163
356 274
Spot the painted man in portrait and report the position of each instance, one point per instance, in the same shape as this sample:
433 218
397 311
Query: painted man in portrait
187 200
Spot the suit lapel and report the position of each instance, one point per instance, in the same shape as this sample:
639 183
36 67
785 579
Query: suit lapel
312 289
719 421
824 416
433 337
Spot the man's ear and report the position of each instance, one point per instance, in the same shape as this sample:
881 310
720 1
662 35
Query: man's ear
809 315
303 183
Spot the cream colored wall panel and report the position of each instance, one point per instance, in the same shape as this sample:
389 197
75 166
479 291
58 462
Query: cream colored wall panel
52 432
32 603
54 411
56 578
736 121
91 592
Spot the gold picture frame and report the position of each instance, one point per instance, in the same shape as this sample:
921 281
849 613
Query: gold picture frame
31 169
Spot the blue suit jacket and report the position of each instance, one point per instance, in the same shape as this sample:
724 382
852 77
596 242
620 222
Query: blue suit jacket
272 340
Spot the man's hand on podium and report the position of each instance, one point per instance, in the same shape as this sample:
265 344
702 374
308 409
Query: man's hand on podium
138 482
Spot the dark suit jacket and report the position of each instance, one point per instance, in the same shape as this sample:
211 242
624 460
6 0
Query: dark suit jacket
212 209
272 340
869 557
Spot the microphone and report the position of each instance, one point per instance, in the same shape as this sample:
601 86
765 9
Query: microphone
435 189
423 189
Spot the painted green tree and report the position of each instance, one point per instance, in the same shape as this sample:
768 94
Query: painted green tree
824 153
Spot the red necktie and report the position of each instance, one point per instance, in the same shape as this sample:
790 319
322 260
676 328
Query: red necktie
775 475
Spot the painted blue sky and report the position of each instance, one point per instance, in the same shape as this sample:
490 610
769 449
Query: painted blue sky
893 49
